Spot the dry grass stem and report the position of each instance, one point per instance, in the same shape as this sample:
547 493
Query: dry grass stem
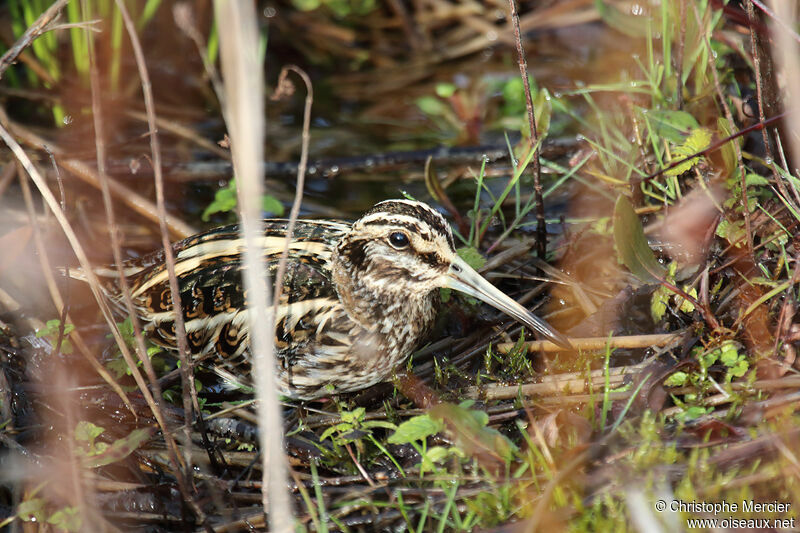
597 343
541 228
243 79
189 395
301 173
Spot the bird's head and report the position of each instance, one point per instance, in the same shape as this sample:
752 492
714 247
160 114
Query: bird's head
405 249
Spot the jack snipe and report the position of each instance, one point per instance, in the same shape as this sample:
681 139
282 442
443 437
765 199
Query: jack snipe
356 299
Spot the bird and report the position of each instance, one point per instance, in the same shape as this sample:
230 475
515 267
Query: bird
356 299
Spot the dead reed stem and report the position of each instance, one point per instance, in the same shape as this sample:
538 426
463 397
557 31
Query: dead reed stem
596 343
189 392
243 80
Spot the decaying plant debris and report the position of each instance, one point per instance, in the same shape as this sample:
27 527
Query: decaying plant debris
671 194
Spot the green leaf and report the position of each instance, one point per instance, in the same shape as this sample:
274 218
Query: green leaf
632 248
733 232
52 331
354 416
118 366
543 109
224 201
693 412
471 256
435 454
658 303
153 350
68 519
698 140
470 431
513 96
730 354
671 125
306 5
432 106
466 404
678 379
706 359
755 180
338 428
445 90
379 424
53 327
686 305
32 509
601 226
727 151
120 448
87 432
270 204
739 369
415 429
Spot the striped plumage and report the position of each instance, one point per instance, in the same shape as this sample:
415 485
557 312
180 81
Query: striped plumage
356 299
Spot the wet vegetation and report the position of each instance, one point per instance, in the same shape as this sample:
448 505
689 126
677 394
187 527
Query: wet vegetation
665 147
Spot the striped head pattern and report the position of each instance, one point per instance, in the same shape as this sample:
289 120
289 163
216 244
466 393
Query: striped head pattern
398 253
396 247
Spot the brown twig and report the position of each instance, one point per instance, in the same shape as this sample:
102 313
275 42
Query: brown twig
541 227
785 51
301 173
113 229
555 385
184 19
184 132
58 301
187 367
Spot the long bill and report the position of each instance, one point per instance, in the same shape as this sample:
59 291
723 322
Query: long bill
463 278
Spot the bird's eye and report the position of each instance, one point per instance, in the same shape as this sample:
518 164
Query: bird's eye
398 239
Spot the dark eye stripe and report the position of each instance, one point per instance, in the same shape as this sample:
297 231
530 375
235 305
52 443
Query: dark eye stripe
416 210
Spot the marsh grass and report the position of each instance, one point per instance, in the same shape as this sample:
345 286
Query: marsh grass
48 49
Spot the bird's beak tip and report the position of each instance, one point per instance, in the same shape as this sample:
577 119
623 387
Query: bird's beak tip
465 279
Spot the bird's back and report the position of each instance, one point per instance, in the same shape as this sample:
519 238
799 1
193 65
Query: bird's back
209 271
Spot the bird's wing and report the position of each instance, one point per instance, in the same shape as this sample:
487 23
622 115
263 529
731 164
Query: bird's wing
209 270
